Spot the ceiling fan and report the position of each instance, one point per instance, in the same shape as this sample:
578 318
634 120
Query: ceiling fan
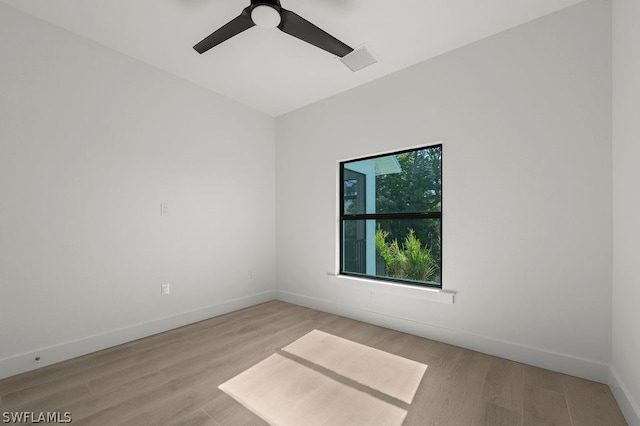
270 14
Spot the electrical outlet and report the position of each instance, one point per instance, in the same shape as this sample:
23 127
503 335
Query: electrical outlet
164 209
165 289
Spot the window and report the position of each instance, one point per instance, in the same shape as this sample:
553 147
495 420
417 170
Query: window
391 217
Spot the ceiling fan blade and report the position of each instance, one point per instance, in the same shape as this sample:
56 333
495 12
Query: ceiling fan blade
299 27
228 30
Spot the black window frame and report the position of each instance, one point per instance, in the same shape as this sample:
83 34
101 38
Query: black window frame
390 216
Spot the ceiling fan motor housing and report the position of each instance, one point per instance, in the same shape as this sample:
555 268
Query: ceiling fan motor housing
273 3
266 13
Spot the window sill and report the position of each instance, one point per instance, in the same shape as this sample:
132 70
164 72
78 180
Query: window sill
414 292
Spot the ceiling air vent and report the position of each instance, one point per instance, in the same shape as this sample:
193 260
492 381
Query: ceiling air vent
358 59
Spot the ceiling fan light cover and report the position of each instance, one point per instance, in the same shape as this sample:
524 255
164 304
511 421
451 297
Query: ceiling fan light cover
265 16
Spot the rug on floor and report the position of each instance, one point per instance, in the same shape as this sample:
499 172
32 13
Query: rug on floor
285 393
390 374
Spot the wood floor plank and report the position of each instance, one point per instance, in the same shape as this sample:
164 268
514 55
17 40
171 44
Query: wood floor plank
157 340
155 398
544 407
504 384
51 401
546 379
459 397
196 418
209 329
488 414
424 409
141 366
591 403
180 404
428 351
392 341
36 392
93 404
226 411
363 333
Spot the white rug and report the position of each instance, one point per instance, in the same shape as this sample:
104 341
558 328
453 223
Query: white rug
286 393
390 374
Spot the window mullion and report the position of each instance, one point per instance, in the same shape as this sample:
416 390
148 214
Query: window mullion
391 216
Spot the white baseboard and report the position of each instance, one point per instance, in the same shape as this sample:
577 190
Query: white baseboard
51 355
587 369
629 407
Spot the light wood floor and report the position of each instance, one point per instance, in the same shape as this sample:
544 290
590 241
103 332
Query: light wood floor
173 377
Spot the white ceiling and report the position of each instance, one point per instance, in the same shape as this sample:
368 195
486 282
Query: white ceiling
274 72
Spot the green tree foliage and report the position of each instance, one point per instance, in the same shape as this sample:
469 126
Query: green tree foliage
419 183
410 261
416 189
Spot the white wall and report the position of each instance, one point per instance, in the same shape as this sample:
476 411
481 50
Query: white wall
626 207
525 120
91 142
